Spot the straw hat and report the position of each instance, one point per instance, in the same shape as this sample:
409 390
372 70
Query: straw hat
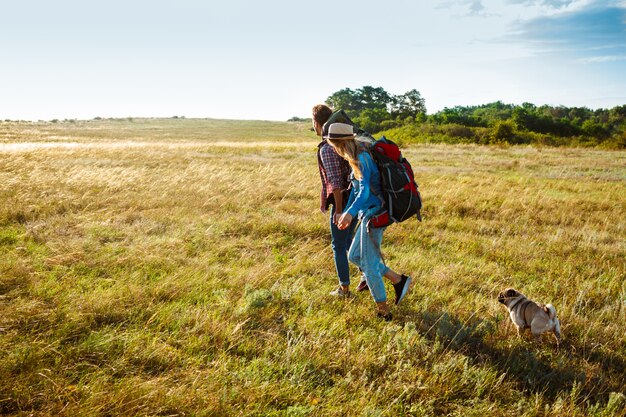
340 131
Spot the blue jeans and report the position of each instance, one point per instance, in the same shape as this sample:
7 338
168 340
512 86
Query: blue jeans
340 242
365 253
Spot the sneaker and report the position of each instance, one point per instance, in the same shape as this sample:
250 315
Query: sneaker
362 286
402 288
386 317
339 292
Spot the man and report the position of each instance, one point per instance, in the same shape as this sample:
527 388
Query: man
334 174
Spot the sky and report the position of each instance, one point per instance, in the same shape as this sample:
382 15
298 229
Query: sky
275 59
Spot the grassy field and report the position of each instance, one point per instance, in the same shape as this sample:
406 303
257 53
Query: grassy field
182 267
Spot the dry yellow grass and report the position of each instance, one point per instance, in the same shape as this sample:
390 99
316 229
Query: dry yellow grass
181 267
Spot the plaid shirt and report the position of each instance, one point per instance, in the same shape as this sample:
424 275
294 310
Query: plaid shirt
334 173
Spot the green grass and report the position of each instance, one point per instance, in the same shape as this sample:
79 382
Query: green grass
182 267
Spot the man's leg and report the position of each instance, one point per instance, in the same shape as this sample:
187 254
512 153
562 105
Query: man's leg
340 242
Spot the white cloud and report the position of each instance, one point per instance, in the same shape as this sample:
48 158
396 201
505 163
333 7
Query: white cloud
604 58
476 7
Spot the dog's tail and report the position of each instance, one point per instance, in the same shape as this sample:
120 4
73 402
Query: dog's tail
550 310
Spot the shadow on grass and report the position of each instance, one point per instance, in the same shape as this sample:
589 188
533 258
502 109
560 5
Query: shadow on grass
537 369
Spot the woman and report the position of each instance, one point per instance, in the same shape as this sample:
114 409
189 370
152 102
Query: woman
365 200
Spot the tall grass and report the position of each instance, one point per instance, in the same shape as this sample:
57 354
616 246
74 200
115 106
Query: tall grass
181 267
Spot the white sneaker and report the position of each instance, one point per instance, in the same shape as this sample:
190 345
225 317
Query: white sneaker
339 292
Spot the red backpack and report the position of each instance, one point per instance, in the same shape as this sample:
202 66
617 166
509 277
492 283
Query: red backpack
401 196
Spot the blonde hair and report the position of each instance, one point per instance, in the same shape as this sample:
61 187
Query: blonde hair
349 149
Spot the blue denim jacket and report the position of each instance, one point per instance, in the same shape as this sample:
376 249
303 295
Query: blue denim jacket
365 197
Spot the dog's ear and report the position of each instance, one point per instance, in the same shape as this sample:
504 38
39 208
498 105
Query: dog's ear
511 293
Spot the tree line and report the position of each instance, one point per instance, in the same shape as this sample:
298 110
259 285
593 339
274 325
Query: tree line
403 118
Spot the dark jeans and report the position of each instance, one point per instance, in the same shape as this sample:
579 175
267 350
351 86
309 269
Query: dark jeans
340 242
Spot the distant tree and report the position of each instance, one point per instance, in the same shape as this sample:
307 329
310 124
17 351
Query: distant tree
373 98
601 115
455 115
557 112
371 120
617 115
491 113
523 118
345 99
374 109
578 114
356 101
503 131
409 104
592 127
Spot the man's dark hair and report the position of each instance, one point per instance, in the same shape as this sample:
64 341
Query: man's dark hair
321 113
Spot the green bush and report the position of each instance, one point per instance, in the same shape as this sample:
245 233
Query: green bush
503 131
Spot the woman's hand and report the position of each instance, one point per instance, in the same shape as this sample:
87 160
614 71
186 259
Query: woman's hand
344 221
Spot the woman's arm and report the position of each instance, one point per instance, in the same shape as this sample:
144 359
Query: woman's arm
358 198
363 193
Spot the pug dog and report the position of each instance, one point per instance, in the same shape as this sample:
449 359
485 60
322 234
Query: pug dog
527 314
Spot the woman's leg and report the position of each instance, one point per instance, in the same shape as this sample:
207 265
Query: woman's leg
365 253
393 276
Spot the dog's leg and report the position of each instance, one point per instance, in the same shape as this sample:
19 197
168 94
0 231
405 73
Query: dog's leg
537 338
536 334
557 331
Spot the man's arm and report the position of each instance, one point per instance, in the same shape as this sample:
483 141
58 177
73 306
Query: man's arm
338 196
332 163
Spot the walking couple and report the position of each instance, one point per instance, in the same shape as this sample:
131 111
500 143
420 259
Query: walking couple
344 158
